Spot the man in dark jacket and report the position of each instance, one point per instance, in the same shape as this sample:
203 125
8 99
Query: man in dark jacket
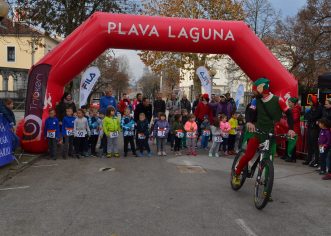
196 102
144 107
159 105
312 117
185 104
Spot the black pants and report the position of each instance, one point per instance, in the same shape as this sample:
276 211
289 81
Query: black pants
143 144
68 145
93 143
80 144
52 142
172 139
225 144
127 140
231 142
178 144
313 149
104 144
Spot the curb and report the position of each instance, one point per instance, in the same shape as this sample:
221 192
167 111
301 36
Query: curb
14 169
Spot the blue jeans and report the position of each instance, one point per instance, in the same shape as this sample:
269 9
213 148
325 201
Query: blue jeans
325 160
204 141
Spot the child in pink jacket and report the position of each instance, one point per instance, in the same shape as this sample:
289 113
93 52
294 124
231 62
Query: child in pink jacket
225 129
191 128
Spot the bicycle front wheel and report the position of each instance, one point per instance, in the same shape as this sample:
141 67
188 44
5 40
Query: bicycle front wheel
243 174
264 183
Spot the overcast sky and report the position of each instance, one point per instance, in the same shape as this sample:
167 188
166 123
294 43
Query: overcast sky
287 7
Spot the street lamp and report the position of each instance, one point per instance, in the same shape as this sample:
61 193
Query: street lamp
4 9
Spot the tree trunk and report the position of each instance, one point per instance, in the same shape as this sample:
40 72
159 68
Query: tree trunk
196 85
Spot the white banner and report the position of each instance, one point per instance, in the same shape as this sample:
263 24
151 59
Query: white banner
239 94
89 79
204 77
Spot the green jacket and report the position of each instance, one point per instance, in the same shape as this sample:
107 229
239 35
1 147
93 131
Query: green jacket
176 126
111 124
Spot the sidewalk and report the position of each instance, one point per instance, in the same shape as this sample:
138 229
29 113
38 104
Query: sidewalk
9 171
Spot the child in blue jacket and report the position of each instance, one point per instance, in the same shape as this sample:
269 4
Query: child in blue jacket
94 123
128 124
52 132
68 133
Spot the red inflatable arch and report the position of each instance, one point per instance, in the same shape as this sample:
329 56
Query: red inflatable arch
103 30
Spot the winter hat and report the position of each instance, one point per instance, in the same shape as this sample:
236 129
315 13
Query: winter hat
205 96
261 85
293 99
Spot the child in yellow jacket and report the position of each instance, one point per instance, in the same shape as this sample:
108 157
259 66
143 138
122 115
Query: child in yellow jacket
111 128
232 134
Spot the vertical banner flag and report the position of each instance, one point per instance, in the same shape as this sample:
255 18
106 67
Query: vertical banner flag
89 79
239 95
204 77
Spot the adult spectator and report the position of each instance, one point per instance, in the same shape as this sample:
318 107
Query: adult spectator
202 110
137 101
172 106
143 107
124 103
312 116
196 102
66 102
185 104
215 105
231 107
327 109
107 101
6 108
159 105
222 107
213 98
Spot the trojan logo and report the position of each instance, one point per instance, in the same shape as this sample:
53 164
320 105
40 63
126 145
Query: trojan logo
35 103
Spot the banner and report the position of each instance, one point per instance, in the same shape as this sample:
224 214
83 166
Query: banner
239 95
204 77
89 79
6 141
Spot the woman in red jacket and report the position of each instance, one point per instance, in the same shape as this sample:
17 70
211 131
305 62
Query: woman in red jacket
203 109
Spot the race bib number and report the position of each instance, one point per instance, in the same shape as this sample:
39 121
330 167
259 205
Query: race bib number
128 133
80 133
190 134
113 134
141 136
206 133
322 149
69 131
225 135
161 133
218 139
180 134
51 133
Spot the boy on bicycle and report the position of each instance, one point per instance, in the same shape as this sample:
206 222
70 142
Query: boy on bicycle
266 112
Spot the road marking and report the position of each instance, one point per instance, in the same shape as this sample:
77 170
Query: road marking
14 188
244 227
36 166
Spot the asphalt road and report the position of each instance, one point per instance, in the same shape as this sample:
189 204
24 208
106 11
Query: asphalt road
152 196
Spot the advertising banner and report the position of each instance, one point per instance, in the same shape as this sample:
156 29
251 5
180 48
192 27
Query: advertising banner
89 79
6 140
204 77
239 94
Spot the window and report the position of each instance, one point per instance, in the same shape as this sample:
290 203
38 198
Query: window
10 54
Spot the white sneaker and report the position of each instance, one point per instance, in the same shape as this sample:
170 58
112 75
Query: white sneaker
164 153
159 154
210 154
216 155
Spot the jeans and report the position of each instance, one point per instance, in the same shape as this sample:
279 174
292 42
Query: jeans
204 141
127 140
225 144
323 160
52 142
112 145
214 147
68 145
191 142
160 142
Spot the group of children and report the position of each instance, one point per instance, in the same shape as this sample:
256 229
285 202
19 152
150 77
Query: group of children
81 134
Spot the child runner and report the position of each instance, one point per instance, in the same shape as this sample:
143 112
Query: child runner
184 120
81 132
128 124
205 129
191 129
324 142
68 133
142 136
178 130
225 129
52 132
94 123
161 131
217 138
232 134
112 128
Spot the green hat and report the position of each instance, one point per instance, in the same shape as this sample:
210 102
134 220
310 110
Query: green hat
264 81
293 99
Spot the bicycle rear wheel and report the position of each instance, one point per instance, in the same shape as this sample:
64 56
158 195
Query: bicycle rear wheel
243 174
264 183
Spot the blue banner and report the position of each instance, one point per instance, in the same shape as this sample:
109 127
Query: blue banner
6 142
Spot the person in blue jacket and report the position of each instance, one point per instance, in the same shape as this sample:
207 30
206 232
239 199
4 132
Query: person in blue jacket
106 101
128 125
68 133
52 132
